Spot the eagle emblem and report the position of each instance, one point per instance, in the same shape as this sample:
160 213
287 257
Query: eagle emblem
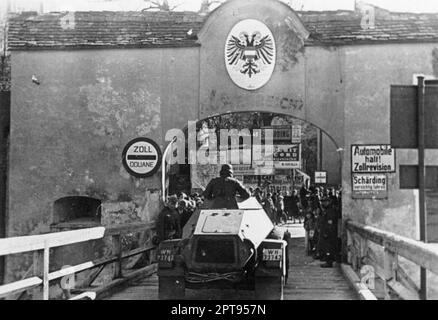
250 49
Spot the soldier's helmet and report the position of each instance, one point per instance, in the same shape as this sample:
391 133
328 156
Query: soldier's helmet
227 169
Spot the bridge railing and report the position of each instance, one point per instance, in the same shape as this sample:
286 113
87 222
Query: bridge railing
41 245
388 268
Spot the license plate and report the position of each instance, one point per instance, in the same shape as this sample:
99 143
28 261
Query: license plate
165 257
272 254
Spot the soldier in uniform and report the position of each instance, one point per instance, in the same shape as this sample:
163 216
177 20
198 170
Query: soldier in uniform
222 190
328 236
168 224
268 206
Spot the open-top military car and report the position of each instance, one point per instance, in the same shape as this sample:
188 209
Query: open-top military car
225 248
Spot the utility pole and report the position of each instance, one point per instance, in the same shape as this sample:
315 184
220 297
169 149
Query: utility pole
421 181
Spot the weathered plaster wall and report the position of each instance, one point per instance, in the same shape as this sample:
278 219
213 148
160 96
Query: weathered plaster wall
331 161
306 83
369 71
68 132
284 92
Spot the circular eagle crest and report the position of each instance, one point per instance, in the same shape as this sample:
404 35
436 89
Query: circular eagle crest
250 54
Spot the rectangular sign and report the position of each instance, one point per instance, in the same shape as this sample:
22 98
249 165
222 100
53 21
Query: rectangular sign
243 169
369 186
378 158
284 134
409 177
272 254
296 134
287 156
404 116
321 177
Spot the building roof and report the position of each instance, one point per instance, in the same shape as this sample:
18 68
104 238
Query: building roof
344 27
104 29
179 29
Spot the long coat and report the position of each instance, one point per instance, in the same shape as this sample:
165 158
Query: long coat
168 224
328 232
223 192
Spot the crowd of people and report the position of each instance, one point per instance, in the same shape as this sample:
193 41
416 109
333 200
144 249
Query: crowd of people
176 212
318 208
322 210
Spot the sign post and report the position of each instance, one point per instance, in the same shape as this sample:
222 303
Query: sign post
414 114
421 181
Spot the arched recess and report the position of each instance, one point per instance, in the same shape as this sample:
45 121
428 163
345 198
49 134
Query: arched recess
332 148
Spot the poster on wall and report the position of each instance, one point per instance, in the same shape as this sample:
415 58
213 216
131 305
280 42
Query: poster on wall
369 185
287 156
378 158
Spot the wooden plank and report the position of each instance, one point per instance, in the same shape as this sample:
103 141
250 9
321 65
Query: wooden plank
389 264
379 271
363 292
118 253
46 255
404 279
129 228
19 286
423 254
403 292
307 280
106 289
88 295
70 270
37 242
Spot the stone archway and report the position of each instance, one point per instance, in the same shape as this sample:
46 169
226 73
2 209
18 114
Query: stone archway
331 161
302 84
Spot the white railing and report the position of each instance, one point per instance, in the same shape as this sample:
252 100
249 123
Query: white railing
41 245
44 242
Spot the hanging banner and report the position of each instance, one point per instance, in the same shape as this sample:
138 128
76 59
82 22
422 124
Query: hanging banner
369 186
378 158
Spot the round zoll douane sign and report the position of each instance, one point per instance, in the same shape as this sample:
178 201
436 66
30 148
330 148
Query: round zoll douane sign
141 157
250 54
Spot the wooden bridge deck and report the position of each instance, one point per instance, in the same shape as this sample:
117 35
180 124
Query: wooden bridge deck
307 281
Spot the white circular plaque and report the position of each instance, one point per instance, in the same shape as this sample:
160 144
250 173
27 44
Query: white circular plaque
141 157
250 54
